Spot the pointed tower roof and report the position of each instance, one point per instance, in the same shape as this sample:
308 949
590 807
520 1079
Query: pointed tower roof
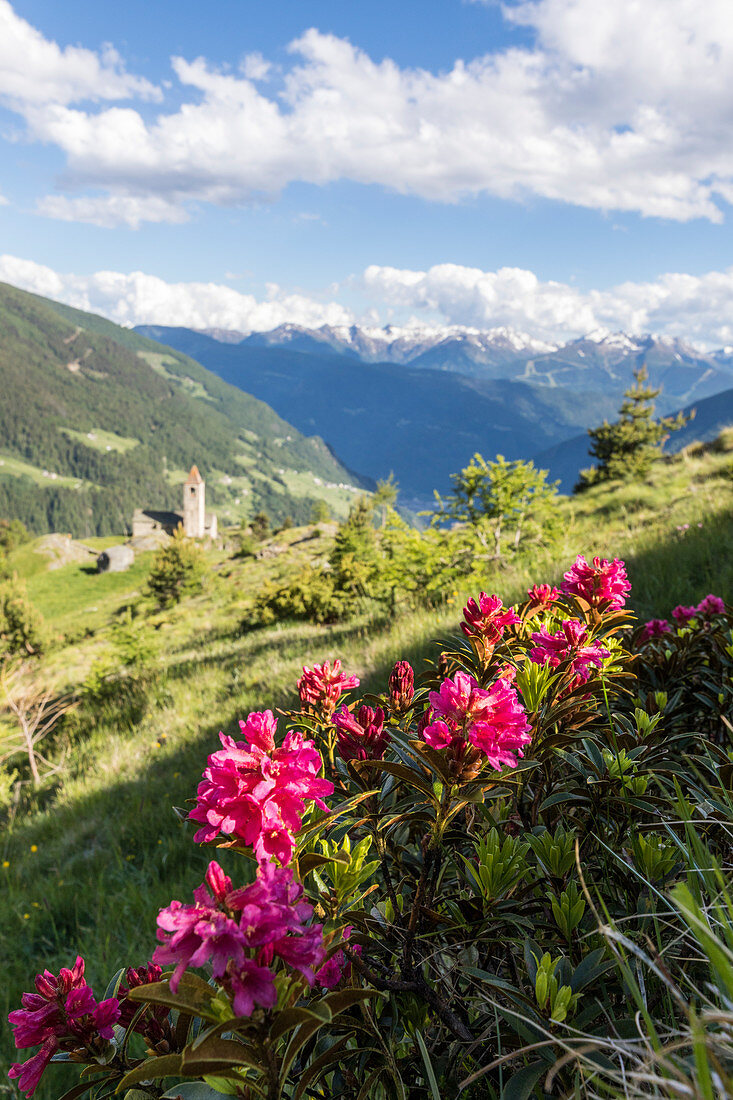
194 478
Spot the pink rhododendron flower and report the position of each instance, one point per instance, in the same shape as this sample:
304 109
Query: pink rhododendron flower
303 953
361 736
487 619
596 583
153 1023
321 687
711 605
460 699
568 644
502 732
683 615
61 1015
542 596
655 628
338 966
190 935
493 720
257 792
29 1073
442 735
251 985
241 933
401 687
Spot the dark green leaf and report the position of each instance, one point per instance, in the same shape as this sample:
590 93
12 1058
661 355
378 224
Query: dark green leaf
193 995
193 1090
114 985
316 1067
151 1069
214 1054
292 1017
520 1084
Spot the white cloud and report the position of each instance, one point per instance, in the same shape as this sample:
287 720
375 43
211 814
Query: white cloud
696 308
137 298
112 210
692 307
620 106
34 70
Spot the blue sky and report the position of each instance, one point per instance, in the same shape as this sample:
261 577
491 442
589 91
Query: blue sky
552 165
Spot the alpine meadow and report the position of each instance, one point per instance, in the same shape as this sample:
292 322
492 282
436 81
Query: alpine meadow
366 530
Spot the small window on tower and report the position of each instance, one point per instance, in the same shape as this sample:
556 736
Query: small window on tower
193 490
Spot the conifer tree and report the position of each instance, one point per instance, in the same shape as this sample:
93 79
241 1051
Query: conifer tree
626 449
177 569
320 512
354 558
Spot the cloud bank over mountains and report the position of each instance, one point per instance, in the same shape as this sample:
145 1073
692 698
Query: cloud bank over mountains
622 106
698 309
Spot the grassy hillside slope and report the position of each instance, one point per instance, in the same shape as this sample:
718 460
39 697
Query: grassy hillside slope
90 861
104 421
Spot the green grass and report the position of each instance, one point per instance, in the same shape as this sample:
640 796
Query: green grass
15 467
100 440
77 596
110 850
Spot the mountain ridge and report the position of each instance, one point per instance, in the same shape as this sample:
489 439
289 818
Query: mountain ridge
601 360
380 417
97 420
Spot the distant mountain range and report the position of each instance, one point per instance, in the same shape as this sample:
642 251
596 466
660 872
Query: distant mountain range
381 417
96 420
419 402
601 362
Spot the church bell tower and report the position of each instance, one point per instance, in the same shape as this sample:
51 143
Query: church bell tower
194 505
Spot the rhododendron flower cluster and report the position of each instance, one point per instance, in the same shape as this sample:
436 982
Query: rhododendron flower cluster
241 933
542 596
683 615
61 1015
361 736
321 687
257 792
493 720
487 619
338 966
597 583
711 605
568 644
655 628
153 1024
401 687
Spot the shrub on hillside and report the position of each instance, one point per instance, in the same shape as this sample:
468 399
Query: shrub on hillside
22 630
501 878
506 504
260 526
177 570
337 589
311 596
13 533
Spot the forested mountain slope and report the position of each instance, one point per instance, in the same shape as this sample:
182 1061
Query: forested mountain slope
96 420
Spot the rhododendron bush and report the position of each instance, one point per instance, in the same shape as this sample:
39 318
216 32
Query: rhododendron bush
426 875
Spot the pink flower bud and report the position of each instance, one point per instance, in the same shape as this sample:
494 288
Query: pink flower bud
401 687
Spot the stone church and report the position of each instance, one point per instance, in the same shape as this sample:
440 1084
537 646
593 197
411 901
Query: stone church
197 523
